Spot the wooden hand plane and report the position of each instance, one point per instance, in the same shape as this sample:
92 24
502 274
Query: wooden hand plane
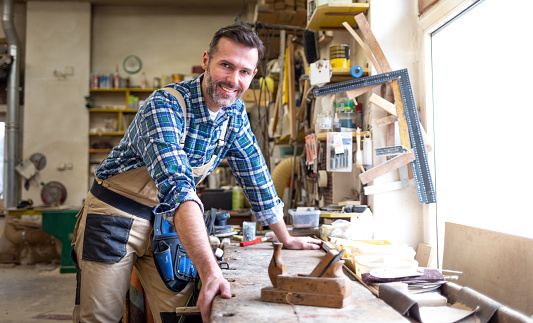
325 286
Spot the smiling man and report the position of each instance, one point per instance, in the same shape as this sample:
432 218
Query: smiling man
177 138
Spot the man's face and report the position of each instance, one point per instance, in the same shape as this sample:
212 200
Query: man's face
228 73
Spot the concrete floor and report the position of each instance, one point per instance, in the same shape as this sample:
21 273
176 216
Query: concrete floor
37 293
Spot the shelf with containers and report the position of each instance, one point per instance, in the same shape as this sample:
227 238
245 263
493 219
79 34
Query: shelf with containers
330 16
110 113
326 17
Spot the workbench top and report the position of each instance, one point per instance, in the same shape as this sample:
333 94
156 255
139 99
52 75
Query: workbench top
248 273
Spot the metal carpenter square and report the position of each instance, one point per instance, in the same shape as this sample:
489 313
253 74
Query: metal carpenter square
421 173
390 151
356 83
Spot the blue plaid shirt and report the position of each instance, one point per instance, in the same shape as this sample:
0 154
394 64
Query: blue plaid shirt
153 140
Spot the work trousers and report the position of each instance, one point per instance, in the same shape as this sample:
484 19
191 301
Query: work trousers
108 244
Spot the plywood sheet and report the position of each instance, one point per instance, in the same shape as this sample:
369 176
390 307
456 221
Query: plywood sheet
495 264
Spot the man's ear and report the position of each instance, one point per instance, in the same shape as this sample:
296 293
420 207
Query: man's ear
205 60
255 72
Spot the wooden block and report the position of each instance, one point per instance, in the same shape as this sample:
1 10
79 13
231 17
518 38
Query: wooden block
315 285
424 255
270 294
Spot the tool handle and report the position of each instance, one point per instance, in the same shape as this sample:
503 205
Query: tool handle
247 243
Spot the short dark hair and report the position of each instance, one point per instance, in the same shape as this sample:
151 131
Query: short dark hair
240 34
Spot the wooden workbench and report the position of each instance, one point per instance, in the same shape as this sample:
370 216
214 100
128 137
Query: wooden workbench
248 273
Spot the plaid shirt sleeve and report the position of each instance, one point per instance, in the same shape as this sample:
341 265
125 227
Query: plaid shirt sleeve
250 170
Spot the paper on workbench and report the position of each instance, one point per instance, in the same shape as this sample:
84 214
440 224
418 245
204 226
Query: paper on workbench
444 314
408 306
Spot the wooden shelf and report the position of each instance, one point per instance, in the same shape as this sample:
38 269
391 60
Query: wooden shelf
114 133
123 90
324 135
331 16
113 110
98 151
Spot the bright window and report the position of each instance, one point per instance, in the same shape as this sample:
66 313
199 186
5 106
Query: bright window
483 117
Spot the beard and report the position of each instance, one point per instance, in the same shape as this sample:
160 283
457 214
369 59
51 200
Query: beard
220 99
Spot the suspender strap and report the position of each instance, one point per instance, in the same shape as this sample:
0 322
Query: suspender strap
183 106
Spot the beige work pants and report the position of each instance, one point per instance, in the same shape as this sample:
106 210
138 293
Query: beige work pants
108 244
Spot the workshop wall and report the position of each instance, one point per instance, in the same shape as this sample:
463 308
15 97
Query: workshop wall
399 217
61 35
55 119
167 39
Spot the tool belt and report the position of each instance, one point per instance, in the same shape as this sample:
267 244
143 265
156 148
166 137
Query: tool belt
171 260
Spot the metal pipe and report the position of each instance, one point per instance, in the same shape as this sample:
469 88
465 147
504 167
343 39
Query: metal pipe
12 151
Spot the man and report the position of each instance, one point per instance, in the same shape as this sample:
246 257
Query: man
167 150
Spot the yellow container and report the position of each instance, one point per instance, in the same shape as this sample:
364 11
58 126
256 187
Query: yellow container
339 56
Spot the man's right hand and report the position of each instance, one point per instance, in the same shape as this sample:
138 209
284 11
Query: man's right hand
211 287
190 226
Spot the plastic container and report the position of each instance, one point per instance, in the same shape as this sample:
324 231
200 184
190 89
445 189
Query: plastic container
304 219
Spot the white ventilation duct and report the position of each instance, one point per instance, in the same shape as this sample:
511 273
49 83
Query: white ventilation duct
13 150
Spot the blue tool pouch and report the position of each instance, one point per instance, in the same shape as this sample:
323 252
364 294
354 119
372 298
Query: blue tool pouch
171 260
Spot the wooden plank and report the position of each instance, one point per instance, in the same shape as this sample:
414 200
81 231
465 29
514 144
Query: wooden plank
303 104
292 97
386 121
364 27
364 46
382 103
424 5
331 15
400 113
276 110
495 264
352 94
388 166
424 255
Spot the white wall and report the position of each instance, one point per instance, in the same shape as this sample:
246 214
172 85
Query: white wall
399 216
55 122
166 39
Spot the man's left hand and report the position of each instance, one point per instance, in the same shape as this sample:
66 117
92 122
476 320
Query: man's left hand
302 243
